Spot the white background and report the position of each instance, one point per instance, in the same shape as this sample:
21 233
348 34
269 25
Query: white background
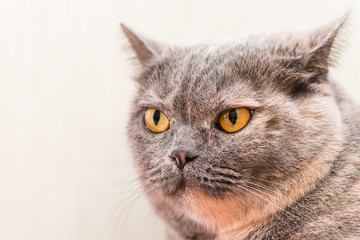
65 87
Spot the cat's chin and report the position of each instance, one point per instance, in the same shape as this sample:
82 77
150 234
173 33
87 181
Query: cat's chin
178 188
183 187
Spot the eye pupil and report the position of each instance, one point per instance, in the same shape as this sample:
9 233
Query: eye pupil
156 117
233 116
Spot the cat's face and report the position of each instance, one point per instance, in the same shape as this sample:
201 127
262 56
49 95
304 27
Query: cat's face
293 123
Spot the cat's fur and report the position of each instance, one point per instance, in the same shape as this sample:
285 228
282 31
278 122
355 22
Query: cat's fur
292 173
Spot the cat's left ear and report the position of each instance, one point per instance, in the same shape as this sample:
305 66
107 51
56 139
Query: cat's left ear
323 50
145 49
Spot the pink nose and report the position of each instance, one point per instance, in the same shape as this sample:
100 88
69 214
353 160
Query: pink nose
182 158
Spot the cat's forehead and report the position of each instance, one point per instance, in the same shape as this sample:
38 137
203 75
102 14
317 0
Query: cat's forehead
213 66
213 76
200 80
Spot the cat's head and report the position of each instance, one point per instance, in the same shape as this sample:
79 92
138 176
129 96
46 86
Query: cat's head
246 117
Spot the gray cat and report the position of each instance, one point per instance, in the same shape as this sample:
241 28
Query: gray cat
248 138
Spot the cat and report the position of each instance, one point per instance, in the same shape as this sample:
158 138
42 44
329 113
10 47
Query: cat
248 138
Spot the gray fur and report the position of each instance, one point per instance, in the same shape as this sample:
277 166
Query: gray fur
302 144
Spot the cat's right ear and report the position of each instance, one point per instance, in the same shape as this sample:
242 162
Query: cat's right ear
145 49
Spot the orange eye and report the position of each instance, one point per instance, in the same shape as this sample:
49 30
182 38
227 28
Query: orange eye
156 121
234 119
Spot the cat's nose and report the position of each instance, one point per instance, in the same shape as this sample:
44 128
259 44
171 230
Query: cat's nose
181 158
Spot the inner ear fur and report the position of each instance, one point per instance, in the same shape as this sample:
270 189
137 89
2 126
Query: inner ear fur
313 64
324 52
144 48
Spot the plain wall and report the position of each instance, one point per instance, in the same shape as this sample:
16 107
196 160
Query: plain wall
65 89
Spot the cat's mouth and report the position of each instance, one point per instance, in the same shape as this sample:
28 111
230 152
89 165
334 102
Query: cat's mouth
178 186
181 184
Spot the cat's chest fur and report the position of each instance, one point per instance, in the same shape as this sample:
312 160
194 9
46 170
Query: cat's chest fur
247 139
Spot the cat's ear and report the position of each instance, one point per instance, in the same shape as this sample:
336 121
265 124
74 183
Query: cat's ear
324 50
318 52
145 49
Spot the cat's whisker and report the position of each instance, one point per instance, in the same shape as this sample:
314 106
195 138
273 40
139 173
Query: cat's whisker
284 196
271 203
252 198
121 217
130 201
258 202
129 187
300 212
276 198
136 191
137 196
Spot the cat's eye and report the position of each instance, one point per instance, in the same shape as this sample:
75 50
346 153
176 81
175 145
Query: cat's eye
234 119
156 121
